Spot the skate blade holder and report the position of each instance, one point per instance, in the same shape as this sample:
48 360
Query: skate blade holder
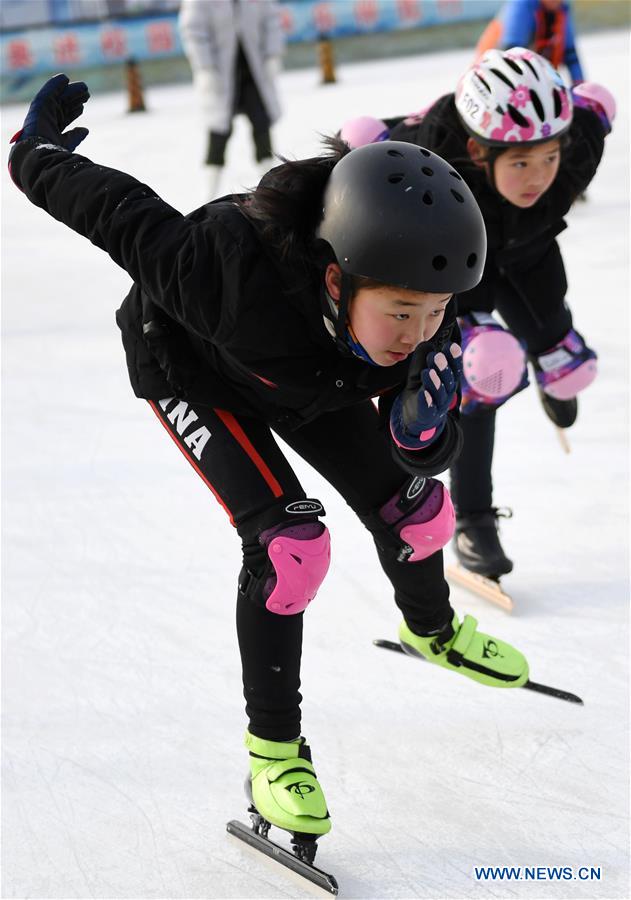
303 846
484 587
565 444
297 865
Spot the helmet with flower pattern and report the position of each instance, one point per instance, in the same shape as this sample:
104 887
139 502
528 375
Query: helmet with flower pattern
513 97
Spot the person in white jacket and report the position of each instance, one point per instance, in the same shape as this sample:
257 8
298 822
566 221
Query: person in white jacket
234 48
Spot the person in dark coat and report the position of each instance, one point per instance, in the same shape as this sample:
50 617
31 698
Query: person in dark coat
284 312
527 147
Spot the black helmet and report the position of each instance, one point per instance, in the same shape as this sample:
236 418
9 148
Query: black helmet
400 214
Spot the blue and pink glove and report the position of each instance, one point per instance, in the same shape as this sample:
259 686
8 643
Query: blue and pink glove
419 413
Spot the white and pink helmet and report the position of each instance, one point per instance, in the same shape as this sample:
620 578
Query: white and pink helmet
513 96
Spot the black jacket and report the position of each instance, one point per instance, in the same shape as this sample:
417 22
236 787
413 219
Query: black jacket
214 316
521 242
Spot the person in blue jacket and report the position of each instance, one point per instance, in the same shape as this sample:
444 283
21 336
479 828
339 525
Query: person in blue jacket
544 26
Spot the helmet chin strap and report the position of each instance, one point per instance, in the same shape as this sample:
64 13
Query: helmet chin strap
342 305
336 313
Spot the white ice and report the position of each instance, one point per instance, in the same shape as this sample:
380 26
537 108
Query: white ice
123 715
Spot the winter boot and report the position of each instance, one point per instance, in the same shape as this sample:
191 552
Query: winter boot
477 544
461 648
263 145
216 148
283 786
214 174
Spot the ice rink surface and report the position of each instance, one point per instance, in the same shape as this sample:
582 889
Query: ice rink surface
123 715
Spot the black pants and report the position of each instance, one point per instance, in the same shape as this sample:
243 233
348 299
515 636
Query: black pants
247 100
240 461
540 324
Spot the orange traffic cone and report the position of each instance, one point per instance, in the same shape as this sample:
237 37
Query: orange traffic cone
327 63
134 87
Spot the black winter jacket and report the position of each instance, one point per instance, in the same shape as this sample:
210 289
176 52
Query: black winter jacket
214 316
521 242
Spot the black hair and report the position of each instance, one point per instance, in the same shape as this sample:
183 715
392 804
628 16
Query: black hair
491 154
286 207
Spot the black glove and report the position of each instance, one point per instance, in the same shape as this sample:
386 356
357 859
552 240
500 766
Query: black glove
58 103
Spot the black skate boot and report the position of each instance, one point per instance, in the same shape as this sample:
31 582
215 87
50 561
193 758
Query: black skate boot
477 544
562 412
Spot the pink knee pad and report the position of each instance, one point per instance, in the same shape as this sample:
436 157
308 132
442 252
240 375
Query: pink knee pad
432 526
300 555
494 362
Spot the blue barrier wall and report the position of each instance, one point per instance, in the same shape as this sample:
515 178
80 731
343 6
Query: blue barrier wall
51 49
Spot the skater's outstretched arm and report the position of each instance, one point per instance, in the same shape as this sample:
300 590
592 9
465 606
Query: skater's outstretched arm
164 252
592 121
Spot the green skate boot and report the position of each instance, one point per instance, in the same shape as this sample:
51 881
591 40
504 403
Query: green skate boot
284 789
461 648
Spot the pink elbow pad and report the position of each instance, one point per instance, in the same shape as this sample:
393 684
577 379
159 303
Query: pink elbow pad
363 130
597 93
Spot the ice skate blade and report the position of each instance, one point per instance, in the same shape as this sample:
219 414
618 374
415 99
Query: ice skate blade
546 689
484 587
565 444
299 866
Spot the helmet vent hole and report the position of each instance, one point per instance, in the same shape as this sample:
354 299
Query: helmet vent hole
472 259
396 177
502 77
511 62
428 199
517 117
395 153
531 67
427 171
458 196
439 263
557 103
424 151
538 105
485 83
455 175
